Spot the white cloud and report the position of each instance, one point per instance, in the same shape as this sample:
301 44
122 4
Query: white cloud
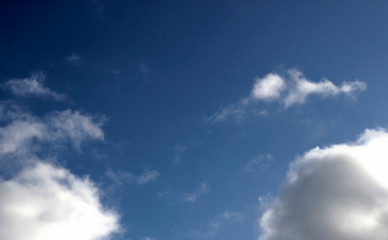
338 192
40 201
204 188
269 87
122 177
32 86
75 59
291 88
260 162
303 88
24 133
44 202
75 126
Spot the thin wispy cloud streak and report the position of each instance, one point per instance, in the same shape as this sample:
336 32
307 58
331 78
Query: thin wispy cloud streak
289 89
337 192
179 150
214 226
203 188
32 87
122 177
259 163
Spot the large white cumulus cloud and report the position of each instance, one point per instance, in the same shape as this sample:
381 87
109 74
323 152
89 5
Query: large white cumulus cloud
339 192
40 200
44 202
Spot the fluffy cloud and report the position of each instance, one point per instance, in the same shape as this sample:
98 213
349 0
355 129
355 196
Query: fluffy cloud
303 88
24 133
291 88
44 202
338 192
32 86
268 88
204 188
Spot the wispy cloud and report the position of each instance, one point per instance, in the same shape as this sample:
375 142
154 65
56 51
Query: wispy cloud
144 69
213 227
25 133
74 59
122 177
291 88
338 192
258 163
32 86
204 188
178 153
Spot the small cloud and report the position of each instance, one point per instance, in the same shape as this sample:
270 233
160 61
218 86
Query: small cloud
178 153
122 177
144 69
259 163
289 89
214 226
74 59
165 194
204 188
116 71
303 88
32 87
268 88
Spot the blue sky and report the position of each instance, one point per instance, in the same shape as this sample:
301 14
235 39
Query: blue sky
186 119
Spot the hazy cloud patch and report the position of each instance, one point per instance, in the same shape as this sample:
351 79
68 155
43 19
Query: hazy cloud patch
74 59
203 188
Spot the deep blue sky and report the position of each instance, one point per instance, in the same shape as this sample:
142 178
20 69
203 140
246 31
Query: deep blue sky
157 69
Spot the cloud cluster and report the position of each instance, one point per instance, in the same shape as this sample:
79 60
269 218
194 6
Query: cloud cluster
32 87
40 200
291 88
338 192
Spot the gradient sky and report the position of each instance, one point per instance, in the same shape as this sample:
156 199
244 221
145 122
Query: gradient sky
186 115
